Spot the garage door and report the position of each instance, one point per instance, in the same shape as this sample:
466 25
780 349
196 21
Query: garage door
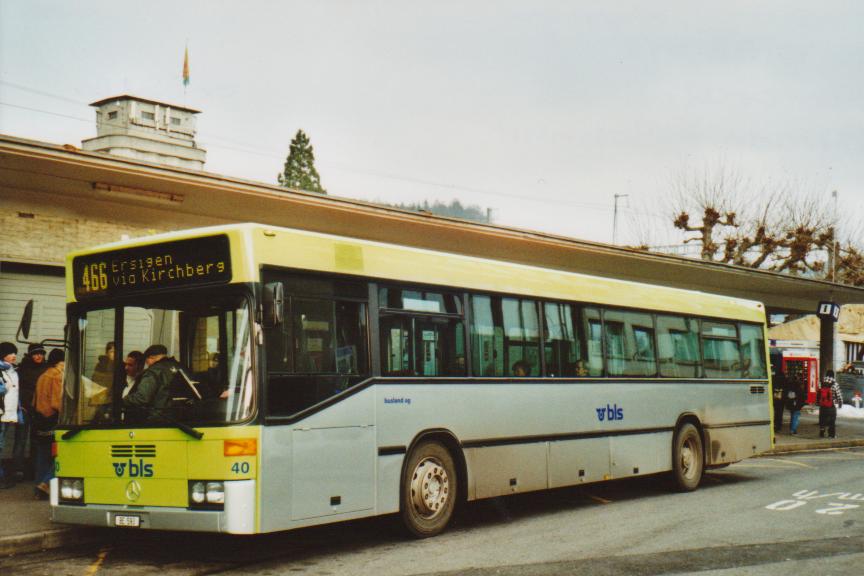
48 292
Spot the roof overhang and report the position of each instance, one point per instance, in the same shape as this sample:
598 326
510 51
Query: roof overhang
146 100
95 181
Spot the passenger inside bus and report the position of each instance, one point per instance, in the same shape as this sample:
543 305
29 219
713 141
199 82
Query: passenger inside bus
133 365
103 373
152 396
521 368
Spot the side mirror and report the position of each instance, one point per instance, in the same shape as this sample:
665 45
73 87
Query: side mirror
274 301
24 326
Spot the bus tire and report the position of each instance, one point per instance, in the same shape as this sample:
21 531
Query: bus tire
688 458
429 489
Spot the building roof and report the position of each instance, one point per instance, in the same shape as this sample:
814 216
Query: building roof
89 180
148 100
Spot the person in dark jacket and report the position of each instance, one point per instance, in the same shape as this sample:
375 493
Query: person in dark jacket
32 366
150 397
795 400
779 384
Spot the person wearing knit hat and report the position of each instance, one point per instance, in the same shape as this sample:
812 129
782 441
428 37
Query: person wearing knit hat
9 402
7 348
34 349
32 366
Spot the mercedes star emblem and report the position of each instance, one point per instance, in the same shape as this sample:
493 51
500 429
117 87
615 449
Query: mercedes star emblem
133 490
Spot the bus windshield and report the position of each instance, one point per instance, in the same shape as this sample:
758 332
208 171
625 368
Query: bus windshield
205 374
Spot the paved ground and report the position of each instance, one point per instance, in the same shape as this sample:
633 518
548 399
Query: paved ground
795 513
30 528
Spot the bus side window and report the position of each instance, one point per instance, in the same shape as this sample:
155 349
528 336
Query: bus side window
522 337
678 346
720 350
629 343
753 351
487 337
561 341
593 328
505 336
421 332
327 353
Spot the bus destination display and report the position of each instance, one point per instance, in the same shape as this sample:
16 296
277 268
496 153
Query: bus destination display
198 261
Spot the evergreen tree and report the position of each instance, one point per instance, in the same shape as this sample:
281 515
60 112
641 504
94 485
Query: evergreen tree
454 209
299 172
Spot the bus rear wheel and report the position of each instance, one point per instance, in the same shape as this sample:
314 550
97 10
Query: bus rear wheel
429 489
688 458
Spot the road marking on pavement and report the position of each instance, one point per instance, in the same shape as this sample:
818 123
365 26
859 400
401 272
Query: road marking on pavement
834 457
94 568
599 499
761 466
802 497
791 462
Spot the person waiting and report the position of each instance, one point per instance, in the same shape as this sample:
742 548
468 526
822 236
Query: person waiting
49 393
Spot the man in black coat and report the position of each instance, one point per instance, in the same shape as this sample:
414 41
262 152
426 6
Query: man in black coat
779 384
31 368
150 398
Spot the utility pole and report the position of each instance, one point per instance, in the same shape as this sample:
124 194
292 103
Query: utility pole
615 218
834 240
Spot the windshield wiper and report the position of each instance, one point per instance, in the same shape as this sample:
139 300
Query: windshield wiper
71 433
185 428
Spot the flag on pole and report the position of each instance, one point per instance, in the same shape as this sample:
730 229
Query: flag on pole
186 67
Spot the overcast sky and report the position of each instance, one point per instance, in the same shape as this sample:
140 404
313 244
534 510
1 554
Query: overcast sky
540 110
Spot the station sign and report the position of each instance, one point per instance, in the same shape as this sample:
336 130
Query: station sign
829 310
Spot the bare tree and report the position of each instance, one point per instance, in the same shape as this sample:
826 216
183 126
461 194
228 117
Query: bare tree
774 227
712 194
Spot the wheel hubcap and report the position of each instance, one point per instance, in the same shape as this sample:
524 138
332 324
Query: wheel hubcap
688 468
430 488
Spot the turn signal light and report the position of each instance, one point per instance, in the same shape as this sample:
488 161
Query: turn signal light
241 447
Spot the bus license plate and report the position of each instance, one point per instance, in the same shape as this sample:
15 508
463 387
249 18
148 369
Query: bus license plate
127 521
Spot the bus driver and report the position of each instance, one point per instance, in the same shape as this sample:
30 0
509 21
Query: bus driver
150 397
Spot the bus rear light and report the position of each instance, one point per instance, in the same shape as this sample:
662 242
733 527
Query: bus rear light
54 450
240 447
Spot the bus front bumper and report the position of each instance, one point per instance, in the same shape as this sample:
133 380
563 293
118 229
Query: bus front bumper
238 517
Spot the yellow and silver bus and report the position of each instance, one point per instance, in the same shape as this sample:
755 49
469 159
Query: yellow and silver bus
324 378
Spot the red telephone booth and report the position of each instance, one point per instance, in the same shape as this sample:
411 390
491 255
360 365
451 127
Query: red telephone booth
801 369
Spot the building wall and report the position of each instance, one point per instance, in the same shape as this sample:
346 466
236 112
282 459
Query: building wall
46 239
38 229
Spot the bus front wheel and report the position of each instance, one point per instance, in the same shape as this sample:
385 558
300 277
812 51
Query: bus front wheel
428 489
688 461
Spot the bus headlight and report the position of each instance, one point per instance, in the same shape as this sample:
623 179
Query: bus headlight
207 494
215 493
197 493
72 489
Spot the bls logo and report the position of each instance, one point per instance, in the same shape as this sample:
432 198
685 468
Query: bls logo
610 413
136 469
